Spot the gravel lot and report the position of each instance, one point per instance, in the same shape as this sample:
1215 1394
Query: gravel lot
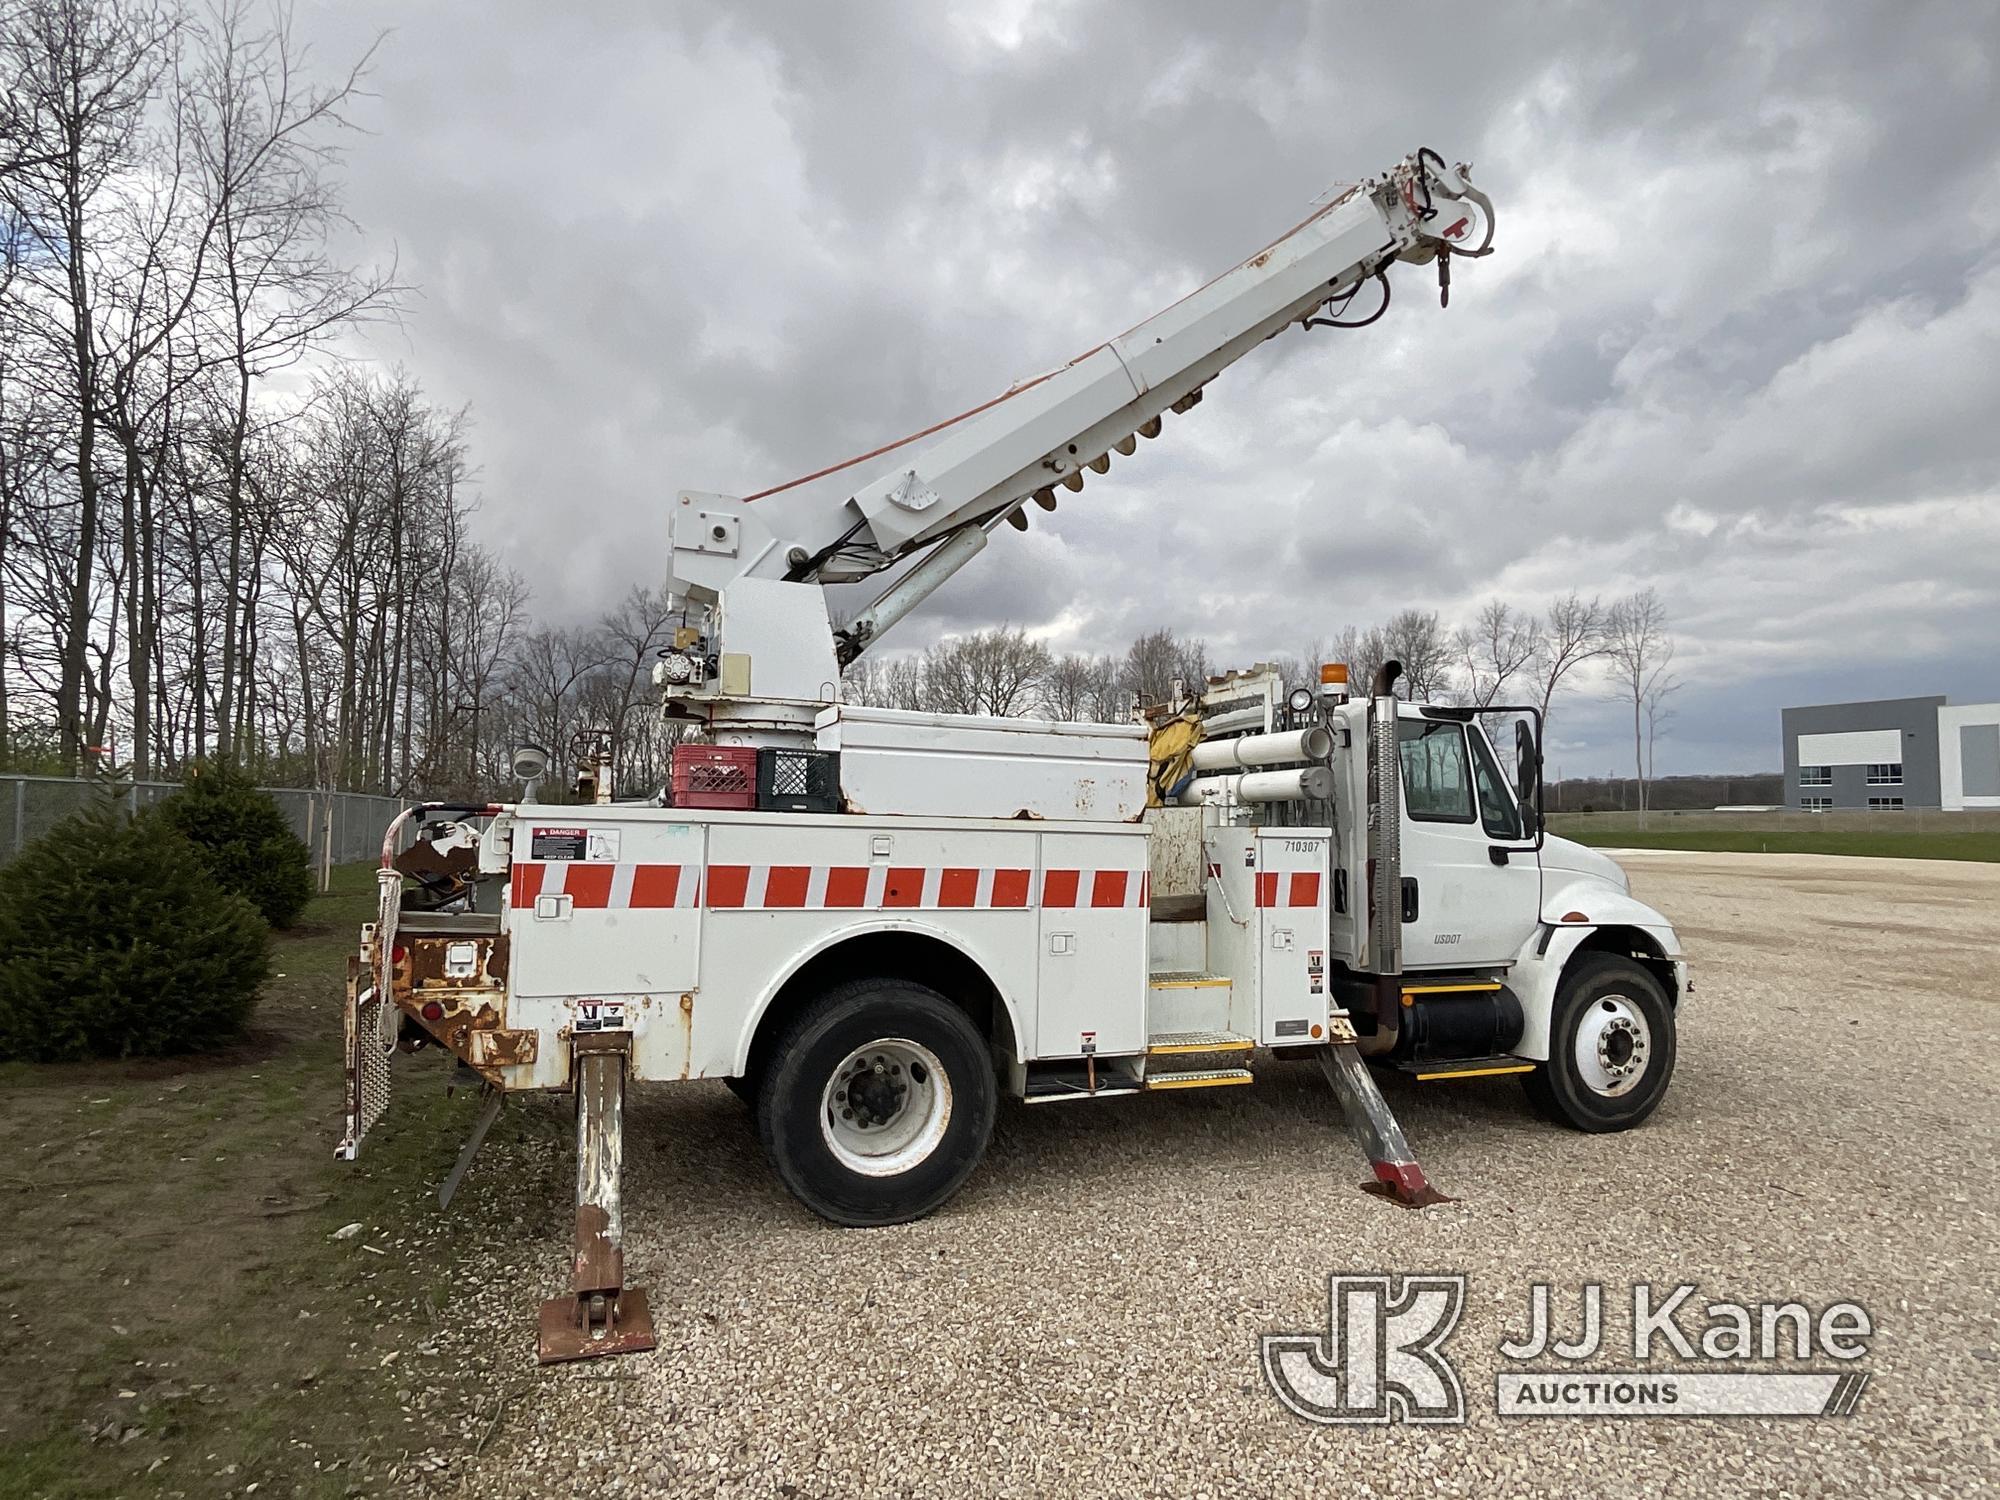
1084 1317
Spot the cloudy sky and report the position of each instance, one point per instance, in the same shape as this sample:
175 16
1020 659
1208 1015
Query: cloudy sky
1741 340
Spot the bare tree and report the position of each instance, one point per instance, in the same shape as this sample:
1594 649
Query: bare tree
1572 633
260 141
1639 648
1417 639
1157 660
1081 689
79 77
988 672
1658 712
1499 644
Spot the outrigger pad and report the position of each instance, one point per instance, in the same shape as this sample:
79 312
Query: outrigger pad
1404 1183
567 1330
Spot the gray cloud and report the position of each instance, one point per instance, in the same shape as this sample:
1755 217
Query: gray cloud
1741 341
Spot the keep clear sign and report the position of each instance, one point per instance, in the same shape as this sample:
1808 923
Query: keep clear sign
600 844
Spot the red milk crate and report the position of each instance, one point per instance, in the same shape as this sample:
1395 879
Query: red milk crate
715 776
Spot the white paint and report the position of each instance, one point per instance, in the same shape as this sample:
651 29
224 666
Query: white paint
1852 747
958 765
1951 765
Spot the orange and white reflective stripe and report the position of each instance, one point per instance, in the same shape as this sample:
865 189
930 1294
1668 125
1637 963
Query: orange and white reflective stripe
1288 888
603 885
1095 888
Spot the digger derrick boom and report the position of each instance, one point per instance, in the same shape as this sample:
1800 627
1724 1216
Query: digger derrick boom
756 565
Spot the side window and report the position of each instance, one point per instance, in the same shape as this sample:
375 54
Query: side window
1437 782
1497 812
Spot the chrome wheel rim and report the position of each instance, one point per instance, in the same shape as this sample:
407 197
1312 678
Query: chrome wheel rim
885 1108
1614 1046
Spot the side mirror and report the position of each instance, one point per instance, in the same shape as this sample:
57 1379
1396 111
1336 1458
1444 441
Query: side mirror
1528 775
531 762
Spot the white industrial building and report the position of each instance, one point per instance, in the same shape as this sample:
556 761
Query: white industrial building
1892 753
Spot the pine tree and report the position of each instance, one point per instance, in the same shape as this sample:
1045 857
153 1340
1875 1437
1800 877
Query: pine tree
115 941
243 837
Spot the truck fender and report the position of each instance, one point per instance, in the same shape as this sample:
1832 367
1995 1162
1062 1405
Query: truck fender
915 927
1612 920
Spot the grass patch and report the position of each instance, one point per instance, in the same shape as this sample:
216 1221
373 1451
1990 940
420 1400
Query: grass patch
1969 846
175 1316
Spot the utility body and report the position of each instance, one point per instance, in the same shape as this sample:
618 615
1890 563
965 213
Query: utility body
875 924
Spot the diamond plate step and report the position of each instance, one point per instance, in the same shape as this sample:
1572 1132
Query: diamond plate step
1187 979
1212 1078
1170 1043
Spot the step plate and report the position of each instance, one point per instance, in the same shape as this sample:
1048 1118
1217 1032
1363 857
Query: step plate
1213 1078
1468 1067
1171 1043
1187 979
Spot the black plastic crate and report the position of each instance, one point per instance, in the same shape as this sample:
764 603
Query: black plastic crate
798 780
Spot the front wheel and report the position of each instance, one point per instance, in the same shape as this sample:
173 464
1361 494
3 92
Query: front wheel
877 1103
1611 1047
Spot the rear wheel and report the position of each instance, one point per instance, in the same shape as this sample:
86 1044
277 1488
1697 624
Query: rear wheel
1611 1047
877 1102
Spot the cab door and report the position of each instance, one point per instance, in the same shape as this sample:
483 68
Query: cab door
1471 878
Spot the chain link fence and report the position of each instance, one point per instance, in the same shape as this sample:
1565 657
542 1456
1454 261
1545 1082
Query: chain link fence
345 825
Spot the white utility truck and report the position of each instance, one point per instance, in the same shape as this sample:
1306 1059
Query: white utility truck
872 923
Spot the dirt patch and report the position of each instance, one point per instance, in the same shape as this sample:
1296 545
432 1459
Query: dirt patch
176 1317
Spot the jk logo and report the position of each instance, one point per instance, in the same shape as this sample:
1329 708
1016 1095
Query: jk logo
1381 1358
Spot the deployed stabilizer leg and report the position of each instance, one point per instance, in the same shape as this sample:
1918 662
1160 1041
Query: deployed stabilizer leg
1373 1126
601 1315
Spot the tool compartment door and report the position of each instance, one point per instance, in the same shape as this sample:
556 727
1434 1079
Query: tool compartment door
783 890
1091 963
604 928
1293 885
606 908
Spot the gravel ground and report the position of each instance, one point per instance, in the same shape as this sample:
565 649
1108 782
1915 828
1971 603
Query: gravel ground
1084 1317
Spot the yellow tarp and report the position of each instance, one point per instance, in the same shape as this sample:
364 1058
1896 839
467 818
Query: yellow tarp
1172 754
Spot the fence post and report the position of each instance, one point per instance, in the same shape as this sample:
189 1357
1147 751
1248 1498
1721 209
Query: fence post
20 817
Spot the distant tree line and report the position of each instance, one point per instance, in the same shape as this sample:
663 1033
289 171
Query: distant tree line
1501 656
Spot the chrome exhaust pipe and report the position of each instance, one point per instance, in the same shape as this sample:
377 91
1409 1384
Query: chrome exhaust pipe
1385 860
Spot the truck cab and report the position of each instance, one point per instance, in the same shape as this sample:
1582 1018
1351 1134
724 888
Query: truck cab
1511 950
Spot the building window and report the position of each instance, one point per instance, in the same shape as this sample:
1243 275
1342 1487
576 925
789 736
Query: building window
1815 775
1895 802
1886 775
1816 804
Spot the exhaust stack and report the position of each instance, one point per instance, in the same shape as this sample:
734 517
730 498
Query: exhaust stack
1385 859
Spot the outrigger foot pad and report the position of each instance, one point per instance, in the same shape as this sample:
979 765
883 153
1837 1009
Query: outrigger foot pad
584 1327
1404 1183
